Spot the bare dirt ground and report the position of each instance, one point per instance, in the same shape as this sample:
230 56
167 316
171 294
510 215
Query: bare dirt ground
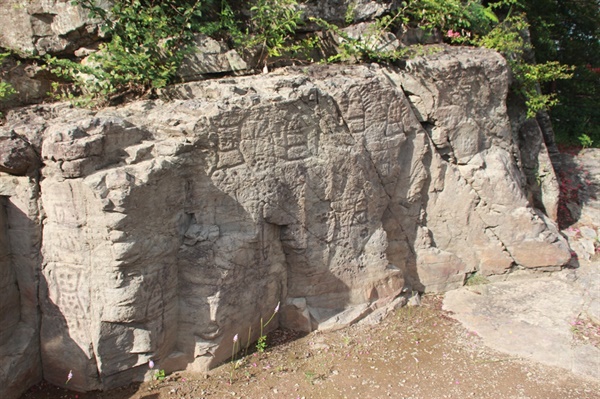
418 352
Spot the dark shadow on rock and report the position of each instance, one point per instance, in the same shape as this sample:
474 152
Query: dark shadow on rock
531 142
62 353
572 189
19 343
574 262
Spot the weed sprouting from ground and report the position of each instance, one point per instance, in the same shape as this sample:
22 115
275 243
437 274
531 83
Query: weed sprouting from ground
476 279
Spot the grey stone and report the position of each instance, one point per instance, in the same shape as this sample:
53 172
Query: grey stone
345 318
39 27
529 319
414 299
336 10
20 239
296 316
208 57
588 232
17 156
172 225
22 367
10 305
537 165
366 32
30 82
411 36
382 311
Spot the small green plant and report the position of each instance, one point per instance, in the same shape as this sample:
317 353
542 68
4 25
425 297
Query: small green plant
585 140
476 279
261 344
79 83
347 340
159 375
310 376
6 89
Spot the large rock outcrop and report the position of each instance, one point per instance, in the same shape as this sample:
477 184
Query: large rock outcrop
171 225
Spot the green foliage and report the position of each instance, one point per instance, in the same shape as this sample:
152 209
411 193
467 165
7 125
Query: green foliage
350 10
507 38
568 32
148 40
470 18
6 90
585 140
261 344
465 20
430 14
369 47
159 375
220 20
272 26
476 279
83 85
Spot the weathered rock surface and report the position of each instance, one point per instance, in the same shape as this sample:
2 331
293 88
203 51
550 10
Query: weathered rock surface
532 319
39 27
20 264
209 56
337 11
17 156
171 226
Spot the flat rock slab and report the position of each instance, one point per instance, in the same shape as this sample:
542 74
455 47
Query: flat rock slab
528 318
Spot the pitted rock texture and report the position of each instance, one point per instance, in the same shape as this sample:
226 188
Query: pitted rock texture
171 226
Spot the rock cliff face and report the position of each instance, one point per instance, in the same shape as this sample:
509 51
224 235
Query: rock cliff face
161 229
